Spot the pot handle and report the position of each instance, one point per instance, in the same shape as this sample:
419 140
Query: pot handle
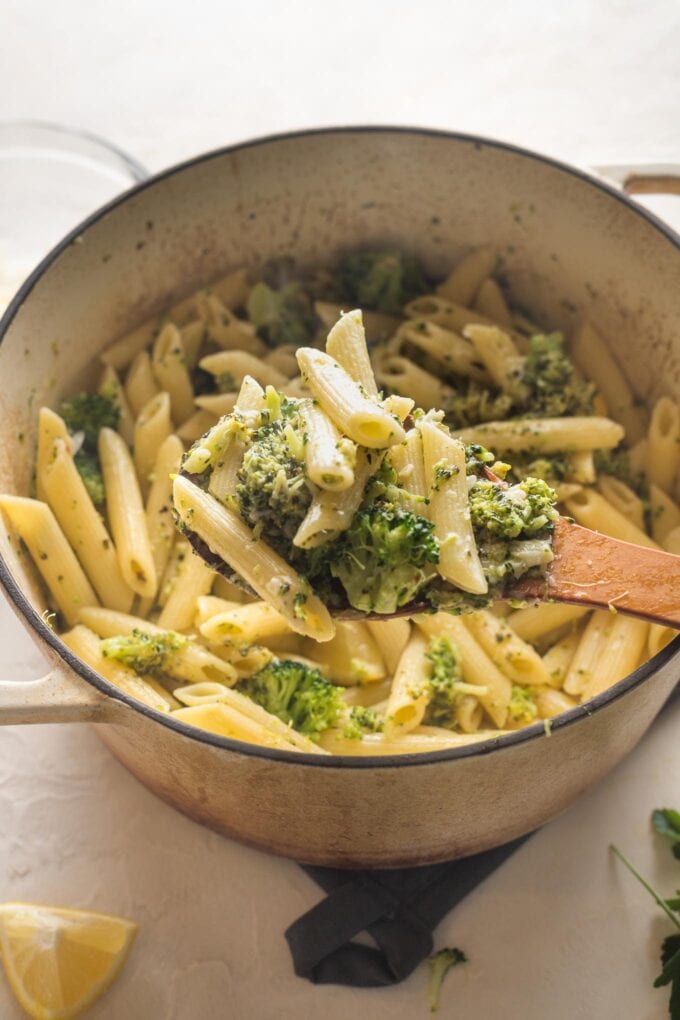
642 178
59 696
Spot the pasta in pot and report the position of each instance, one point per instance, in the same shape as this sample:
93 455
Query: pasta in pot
269 666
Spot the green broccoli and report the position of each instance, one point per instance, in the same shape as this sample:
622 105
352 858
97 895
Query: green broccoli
90 471
381 559
87 414
439 966
381 280
296 694
554 387
142 651
523 510
284 316
361 721
272 493
446 682
476 404
522 709
549 469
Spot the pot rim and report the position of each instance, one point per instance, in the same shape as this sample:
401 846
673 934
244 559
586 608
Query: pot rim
44 633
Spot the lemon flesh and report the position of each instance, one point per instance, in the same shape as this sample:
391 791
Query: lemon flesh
59 961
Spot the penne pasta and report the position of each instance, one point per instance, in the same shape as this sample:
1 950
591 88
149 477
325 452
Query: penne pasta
171 373
626 641
37 526
126 514
663 437
194 579
452 353
559 656
397 373
140 384
498 353
352 656
550 703
536 622
226 721
391 637
515 657
152 428
592 510
346 343
664 513
247 624
623 499
159 523
490 301
597 363
234 366
464 281
50 427
545 435
587 660
410 693
111 386
329 458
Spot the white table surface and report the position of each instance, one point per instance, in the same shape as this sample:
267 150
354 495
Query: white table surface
559 932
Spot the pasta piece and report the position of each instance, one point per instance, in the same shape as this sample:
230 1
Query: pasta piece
85 644
469 714
328 457
158 512
171 373
671 542
515 657
232 289
264 570
558 658
659 636
408 461
452 315
283 358
581 467
477 667
550 703
391 637
225 330
664 513
140 384
378 325
623 499
589 653
152 428
627 638
122 352
346 343
501 358
84 528
662 444
191 662
449 510
111 386
545 435
226 590
463 283
245 625
126 514
401 406
194 579
217 403
331 512
352 656
452 352
50 427
490 301
593 511
193 336
196 426
236 365
226 721
410 691
536 622
212 693
368 695
596 362
208 606
422 740
38 528
398 373
358 417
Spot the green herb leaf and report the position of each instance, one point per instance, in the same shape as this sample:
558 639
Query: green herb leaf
666 822
670 975
440 964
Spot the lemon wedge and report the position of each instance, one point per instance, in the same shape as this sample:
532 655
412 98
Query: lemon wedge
60 961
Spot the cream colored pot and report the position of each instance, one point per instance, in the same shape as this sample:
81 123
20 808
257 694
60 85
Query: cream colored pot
569 244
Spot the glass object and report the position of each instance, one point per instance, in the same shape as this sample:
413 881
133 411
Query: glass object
51 178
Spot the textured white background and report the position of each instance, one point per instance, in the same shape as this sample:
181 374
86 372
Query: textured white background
559 933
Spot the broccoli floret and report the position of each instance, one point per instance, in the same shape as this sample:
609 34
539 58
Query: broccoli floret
445 675
522 708
296 694
380 559
90 471
88 413
272 492
361 721
439 966
142 651
525 509
382 280
441 597
554 388
284 316
476 404
550 469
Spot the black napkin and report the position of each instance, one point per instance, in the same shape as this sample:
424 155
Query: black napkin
399 909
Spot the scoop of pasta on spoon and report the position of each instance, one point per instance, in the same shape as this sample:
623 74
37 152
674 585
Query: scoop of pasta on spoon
340 504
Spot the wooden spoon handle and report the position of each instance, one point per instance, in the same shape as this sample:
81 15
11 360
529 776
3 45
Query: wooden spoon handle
592 569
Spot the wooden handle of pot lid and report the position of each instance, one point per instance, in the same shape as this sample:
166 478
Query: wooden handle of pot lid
594 570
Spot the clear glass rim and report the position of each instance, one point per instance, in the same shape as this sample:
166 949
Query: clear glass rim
49 136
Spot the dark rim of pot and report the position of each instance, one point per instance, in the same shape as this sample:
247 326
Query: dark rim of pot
532 732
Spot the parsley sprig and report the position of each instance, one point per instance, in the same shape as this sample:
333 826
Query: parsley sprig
667 823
